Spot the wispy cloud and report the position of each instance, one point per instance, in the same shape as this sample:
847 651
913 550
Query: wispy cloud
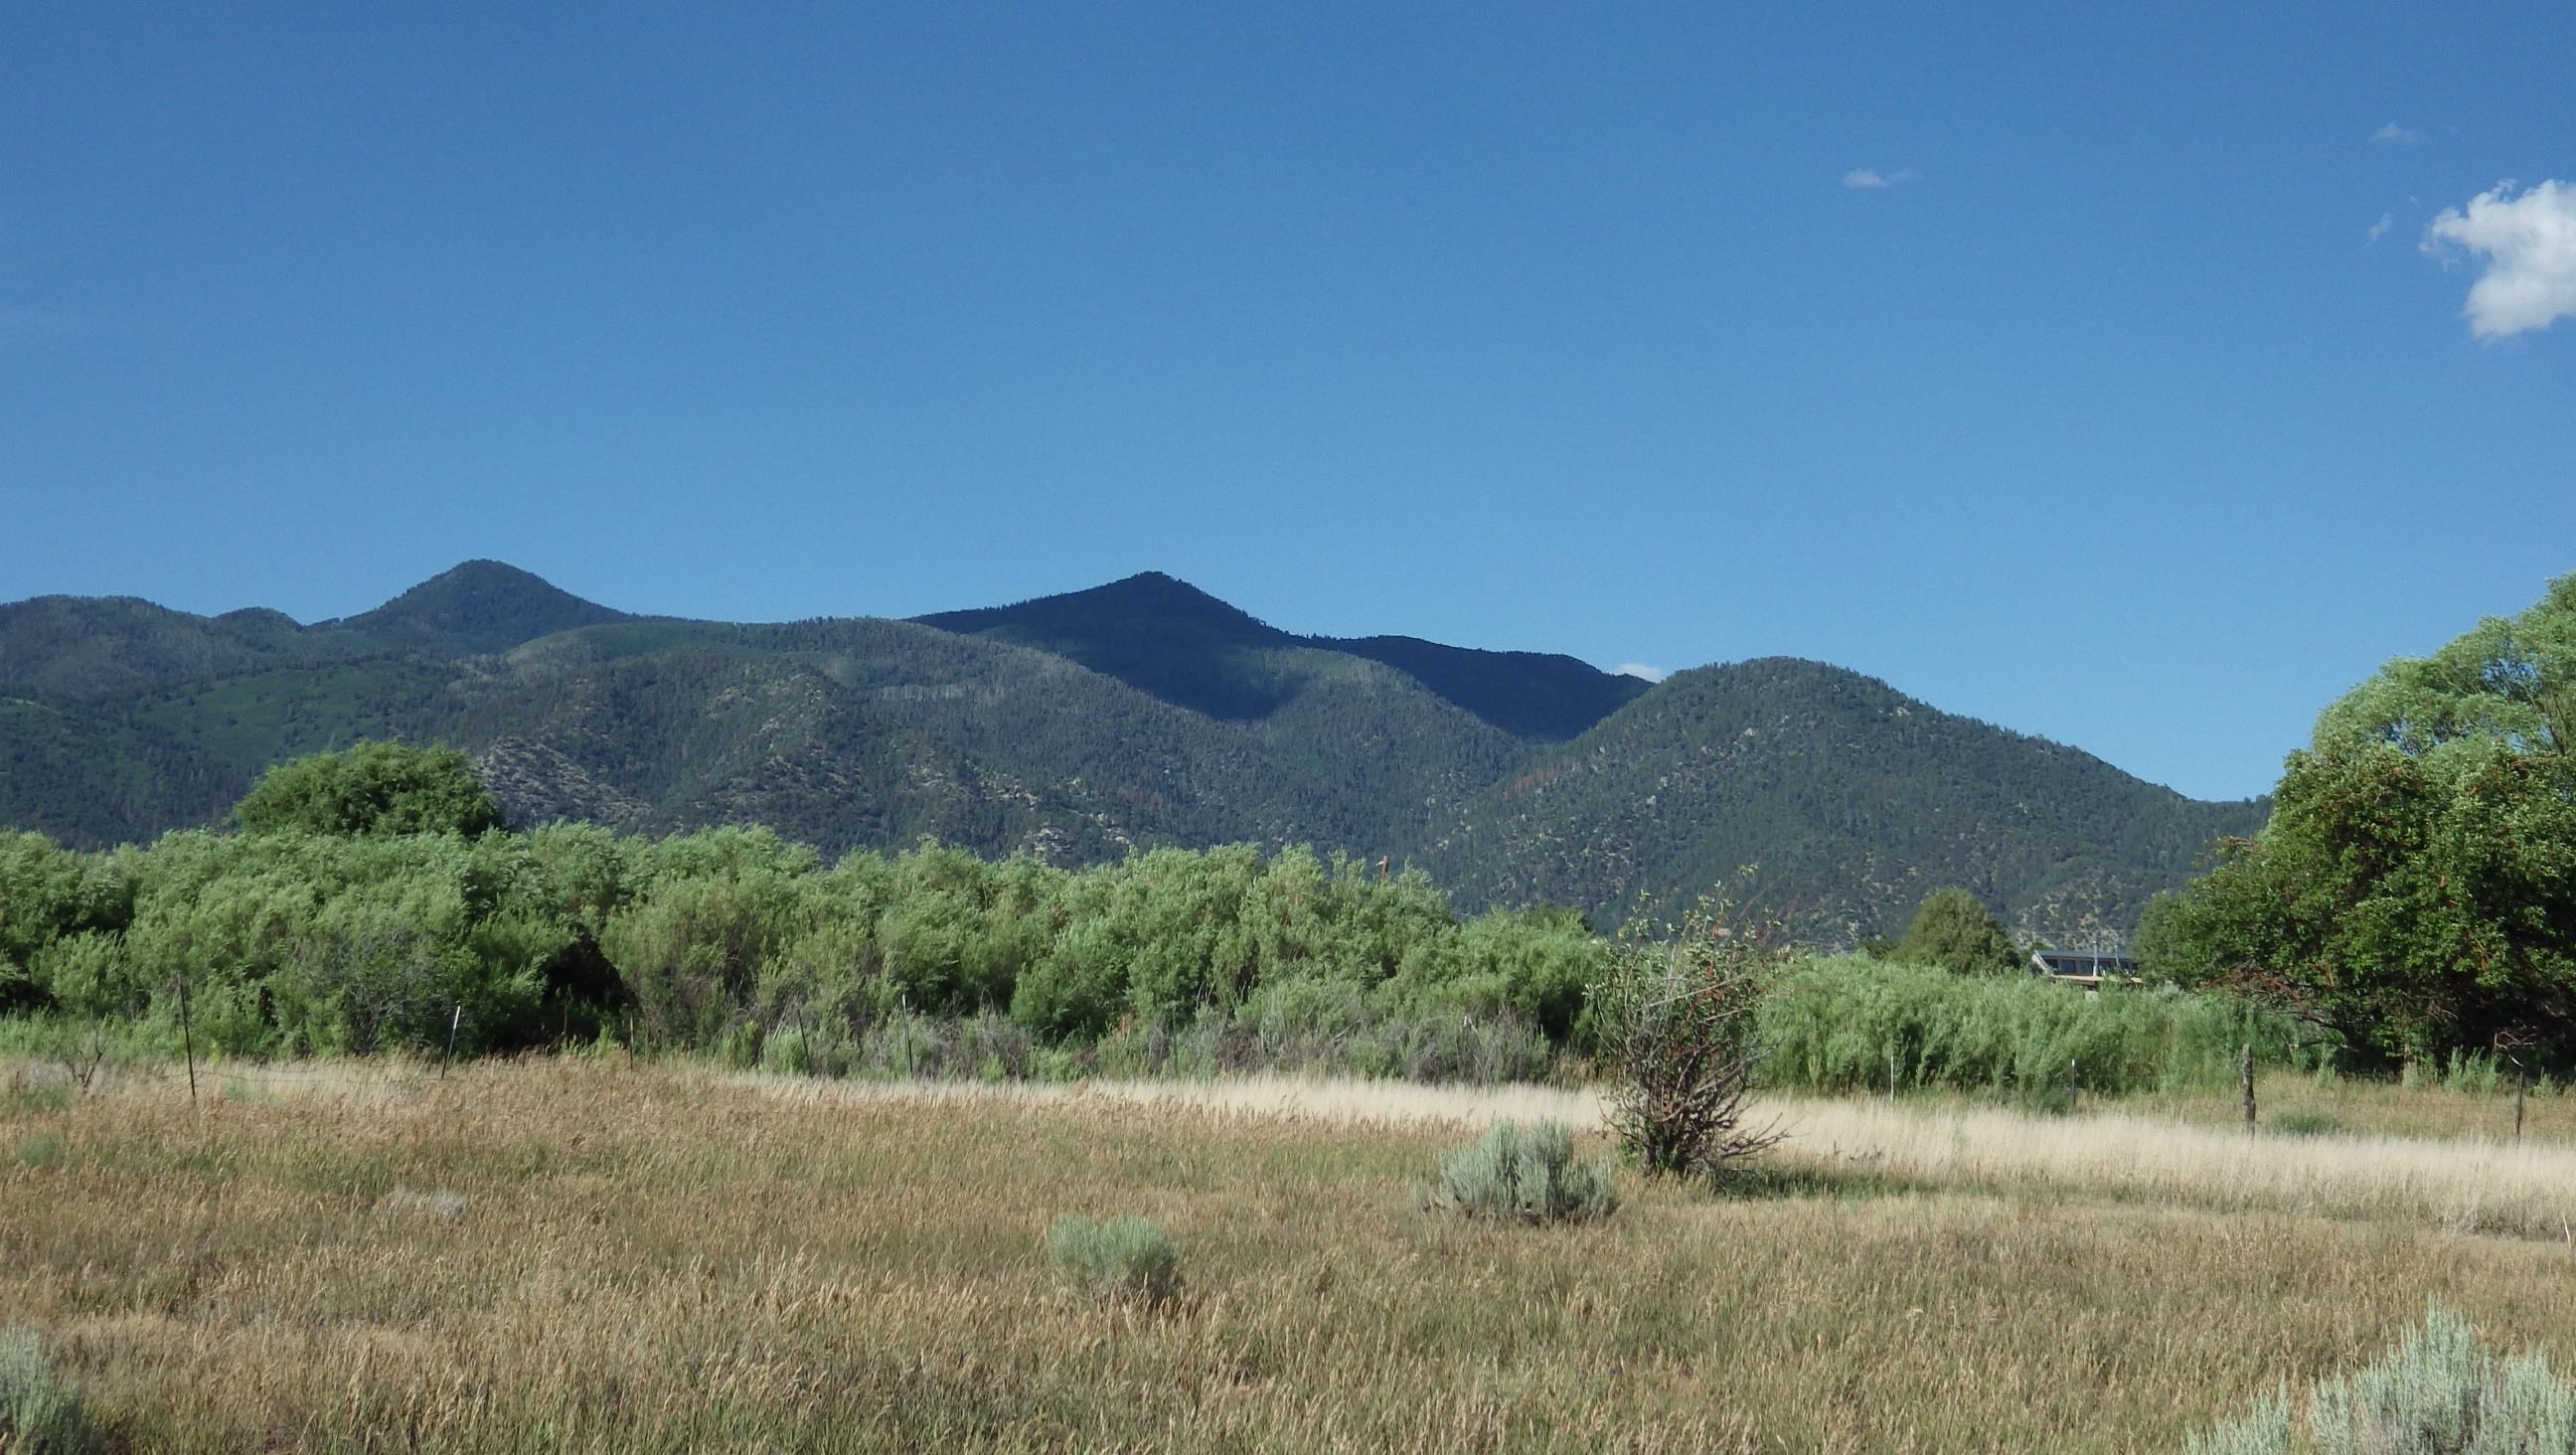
1640 670
2379 229
2529 245
2398 136
1871 179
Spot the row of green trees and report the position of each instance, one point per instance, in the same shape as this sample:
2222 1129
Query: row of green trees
369 895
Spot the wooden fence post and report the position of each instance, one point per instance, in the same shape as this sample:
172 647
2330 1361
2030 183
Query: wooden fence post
2245 1077
188 1038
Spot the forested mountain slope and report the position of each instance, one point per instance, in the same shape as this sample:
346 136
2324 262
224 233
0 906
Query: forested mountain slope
479 607
1140 713
1851 800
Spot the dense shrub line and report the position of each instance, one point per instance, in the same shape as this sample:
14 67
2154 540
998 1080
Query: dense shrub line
737 943
1840 1024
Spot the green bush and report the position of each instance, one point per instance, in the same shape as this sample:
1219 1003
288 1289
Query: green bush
2440 1393
1524 1174
1835 1025
38 1415
1118 1259
2305 1124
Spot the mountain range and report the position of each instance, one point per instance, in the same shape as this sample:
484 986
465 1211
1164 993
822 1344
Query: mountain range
1081 726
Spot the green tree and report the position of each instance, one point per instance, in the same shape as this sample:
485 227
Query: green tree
2508 679
2415 889
1954 930
2407 905
371 789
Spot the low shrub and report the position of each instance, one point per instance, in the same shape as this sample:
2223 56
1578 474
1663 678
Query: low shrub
2440 1393
2265 1430
1117 1259
1524 1174
37 1414
2306 1124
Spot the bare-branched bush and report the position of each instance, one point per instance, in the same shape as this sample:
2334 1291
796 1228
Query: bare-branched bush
1675 1015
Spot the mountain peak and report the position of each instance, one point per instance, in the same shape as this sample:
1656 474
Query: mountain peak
1152 631
478 607
1147 604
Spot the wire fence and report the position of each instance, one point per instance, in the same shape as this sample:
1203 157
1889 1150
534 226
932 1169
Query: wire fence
96 1067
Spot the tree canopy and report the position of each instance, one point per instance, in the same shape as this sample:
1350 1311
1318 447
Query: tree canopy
2415 889
1954 930
371 789
2508 679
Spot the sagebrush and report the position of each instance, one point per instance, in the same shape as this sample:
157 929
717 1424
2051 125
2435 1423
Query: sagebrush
2441 1392
37 1414
1524 1174
1129 1259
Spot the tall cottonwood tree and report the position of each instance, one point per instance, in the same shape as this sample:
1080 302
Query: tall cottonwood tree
2415 889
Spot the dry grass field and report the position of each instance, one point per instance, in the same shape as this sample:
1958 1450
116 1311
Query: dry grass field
610 1255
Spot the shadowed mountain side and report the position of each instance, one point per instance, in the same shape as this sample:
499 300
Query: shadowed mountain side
1539 695
1358 755
1853 800
1168 638
860 732
1156 634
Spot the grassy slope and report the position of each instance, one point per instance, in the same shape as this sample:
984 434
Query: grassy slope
568 1255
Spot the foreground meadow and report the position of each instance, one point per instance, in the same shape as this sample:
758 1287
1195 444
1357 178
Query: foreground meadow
571 1254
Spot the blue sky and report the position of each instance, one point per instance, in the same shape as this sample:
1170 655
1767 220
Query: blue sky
2141 403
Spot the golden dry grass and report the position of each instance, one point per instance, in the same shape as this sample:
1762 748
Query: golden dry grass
574 1255
2384 1108
2526 1190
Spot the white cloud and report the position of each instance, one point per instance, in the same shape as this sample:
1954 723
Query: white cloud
2396 135
2529 243
1871 179
1640 670
2379 229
